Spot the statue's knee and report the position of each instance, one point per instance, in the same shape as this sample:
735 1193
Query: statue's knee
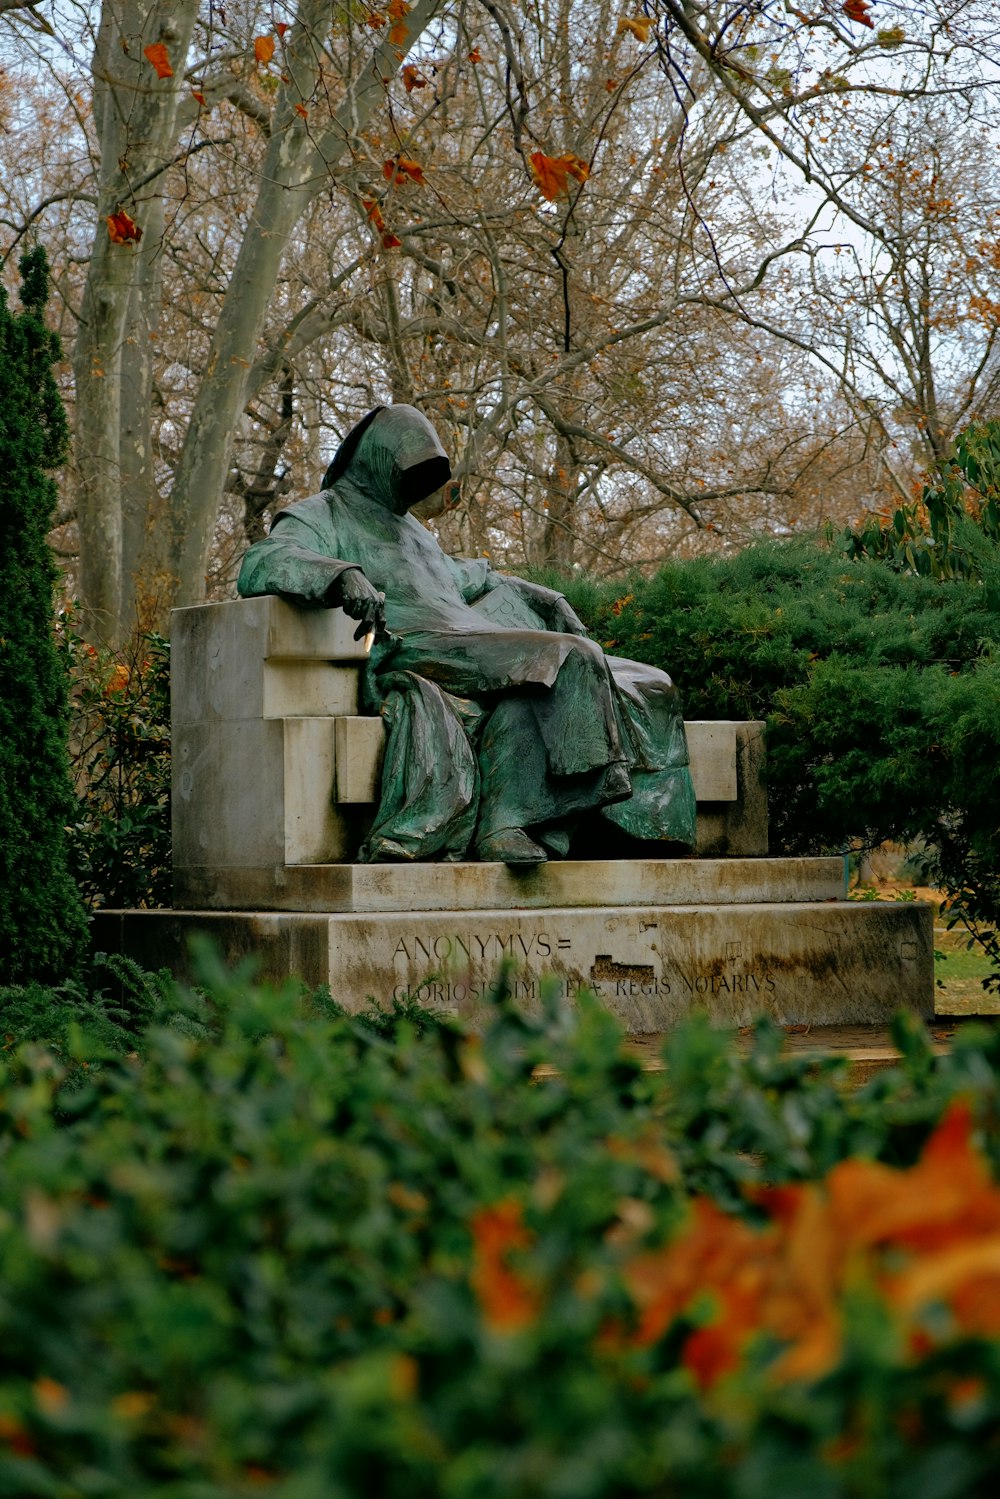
587 651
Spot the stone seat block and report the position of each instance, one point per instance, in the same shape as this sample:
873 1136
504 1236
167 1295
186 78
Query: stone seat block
712 747
360 746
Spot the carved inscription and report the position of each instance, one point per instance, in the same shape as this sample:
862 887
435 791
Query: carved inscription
491 948
446 955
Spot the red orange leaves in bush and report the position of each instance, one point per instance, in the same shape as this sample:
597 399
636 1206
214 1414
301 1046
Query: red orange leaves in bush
263 49
925 1236
509 1302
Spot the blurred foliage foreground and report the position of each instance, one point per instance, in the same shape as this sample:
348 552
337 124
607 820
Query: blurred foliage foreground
251 1245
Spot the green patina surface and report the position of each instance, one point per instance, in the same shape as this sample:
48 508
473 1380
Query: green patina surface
507 724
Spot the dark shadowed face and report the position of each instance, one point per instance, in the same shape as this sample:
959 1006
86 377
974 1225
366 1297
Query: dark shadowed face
399 460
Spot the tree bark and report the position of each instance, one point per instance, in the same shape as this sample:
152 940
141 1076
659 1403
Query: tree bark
136 116
295 170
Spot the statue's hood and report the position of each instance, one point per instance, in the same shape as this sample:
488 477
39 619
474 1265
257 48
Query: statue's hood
393 456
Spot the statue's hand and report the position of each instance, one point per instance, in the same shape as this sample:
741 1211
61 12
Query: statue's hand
565 619
361 600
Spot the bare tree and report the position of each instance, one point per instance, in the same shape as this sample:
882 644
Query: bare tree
598 245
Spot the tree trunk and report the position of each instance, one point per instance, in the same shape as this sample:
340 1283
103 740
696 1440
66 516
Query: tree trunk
558 538
136 115
143 557
295 170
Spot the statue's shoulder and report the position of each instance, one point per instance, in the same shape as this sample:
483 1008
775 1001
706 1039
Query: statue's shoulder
312 514
315 508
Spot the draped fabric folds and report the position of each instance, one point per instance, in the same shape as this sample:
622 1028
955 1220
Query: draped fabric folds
497 720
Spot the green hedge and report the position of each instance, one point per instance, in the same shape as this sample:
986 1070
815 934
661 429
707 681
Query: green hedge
881 692
271 1249
42 922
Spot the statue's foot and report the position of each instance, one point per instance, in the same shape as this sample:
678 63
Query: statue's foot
384 851
510 846
556 840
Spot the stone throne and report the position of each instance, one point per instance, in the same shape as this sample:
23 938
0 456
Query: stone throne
276 770
275 782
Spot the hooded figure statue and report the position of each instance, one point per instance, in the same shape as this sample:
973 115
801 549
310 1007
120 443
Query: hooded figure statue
506 722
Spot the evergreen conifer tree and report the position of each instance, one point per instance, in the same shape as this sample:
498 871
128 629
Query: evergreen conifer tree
42 920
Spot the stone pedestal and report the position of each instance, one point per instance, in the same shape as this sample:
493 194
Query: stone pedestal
275 782
819 962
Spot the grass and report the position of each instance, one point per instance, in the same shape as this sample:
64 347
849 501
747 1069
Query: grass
959 972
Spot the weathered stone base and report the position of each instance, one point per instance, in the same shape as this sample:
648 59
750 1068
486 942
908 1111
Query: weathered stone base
493 887
820 962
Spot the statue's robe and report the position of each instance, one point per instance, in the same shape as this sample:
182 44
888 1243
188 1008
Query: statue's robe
495 722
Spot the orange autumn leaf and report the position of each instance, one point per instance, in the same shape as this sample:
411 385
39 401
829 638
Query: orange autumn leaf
927 1235
399 32
199 96
413 78
373 212
263 49
509 1302
964 1277
281 27
713 1351
475 55
551 173
16 1436
132 1405
118 680
52 1397
122 229
375 20
402 169
860 11
946 1196
156 53
300 109
637 26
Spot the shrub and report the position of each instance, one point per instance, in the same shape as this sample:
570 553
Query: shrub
42 923
880 690
296 1256
119 839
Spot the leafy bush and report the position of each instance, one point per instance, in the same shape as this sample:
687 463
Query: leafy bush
119 840
42 923
881 692
293 1255
114 1001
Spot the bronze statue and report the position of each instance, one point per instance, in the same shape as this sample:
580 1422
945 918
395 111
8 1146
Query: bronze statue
507 724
